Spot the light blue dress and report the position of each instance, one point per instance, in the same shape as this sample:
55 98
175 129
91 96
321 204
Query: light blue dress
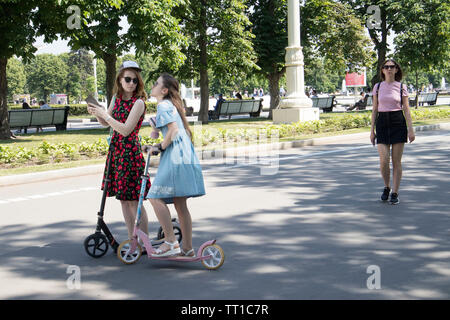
179 173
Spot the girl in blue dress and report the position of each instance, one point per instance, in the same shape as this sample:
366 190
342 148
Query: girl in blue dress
179 173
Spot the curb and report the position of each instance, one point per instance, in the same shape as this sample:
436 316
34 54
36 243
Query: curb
202 155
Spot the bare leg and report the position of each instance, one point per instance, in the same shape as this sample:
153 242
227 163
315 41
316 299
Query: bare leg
384 152
129 209
185 222
163 214
397 153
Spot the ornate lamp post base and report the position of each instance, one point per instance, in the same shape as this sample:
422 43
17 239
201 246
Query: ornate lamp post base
290 115
296 106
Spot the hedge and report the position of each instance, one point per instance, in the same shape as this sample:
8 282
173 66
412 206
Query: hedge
81 109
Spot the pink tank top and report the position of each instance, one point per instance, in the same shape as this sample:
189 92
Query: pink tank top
389 95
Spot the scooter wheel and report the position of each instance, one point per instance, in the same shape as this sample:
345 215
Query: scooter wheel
217 257
124 254
96 245
176 231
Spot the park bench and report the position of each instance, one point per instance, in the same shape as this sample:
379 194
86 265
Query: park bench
324 103
429 98
368 102
232 107
26 118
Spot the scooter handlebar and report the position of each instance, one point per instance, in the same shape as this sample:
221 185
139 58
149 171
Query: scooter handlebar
152 149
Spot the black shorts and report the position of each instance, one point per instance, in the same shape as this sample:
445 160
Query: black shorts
391 127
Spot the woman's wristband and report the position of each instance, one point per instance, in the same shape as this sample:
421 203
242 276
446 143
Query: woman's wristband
107 118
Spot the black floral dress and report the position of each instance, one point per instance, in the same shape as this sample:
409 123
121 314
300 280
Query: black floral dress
127 160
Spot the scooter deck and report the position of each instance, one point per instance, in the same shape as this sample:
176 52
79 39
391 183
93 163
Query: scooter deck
180 258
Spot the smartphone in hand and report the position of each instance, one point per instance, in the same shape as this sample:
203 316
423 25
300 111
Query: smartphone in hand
91 100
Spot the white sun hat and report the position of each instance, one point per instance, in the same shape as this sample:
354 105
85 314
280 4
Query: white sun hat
130 64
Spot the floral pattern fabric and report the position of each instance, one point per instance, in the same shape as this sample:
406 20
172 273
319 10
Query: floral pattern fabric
127 160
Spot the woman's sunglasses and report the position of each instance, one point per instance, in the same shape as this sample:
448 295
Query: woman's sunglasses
389 67
128 80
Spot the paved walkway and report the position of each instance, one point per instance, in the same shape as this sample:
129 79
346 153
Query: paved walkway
314 230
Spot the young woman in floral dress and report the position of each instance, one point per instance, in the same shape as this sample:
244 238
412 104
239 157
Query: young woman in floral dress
125 115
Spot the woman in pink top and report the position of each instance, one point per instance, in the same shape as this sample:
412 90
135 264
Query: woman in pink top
390 108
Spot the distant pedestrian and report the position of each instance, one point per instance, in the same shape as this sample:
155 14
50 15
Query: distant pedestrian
25 104
43 105
389 126
212 114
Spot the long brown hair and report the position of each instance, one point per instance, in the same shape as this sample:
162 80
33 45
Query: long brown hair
173 94
139 92
398 74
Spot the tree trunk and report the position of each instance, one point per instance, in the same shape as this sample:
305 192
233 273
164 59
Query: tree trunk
46 95
5 132
417 89
204 82
110 63
381 46
274 90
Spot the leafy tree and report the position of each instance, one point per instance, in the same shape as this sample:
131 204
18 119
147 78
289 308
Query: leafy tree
328 29
152 29
269 25
80 68
46 73
320 78
217 41
20 24
424 42
15 74
421 25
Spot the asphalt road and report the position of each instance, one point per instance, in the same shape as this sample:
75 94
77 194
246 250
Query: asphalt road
312 230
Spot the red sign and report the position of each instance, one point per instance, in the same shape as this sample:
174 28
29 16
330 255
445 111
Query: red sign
355 79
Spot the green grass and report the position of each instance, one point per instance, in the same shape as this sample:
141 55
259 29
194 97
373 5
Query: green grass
32 140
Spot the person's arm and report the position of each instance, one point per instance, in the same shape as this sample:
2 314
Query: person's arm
407 112
171 133
374 117
123 128
109 112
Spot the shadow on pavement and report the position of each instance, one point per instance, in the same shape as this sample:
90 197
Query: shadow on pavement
317 248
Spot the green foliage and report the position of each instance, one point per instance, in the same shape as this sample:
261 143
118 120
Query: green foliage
46 73
152 30
80 78
15 74
423 36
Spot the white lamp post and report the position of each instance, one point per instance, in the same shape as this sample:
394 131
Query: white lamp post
94 62
296 106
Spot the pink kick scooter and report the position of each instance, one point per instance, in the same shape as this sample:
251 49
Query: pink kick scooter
209 253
